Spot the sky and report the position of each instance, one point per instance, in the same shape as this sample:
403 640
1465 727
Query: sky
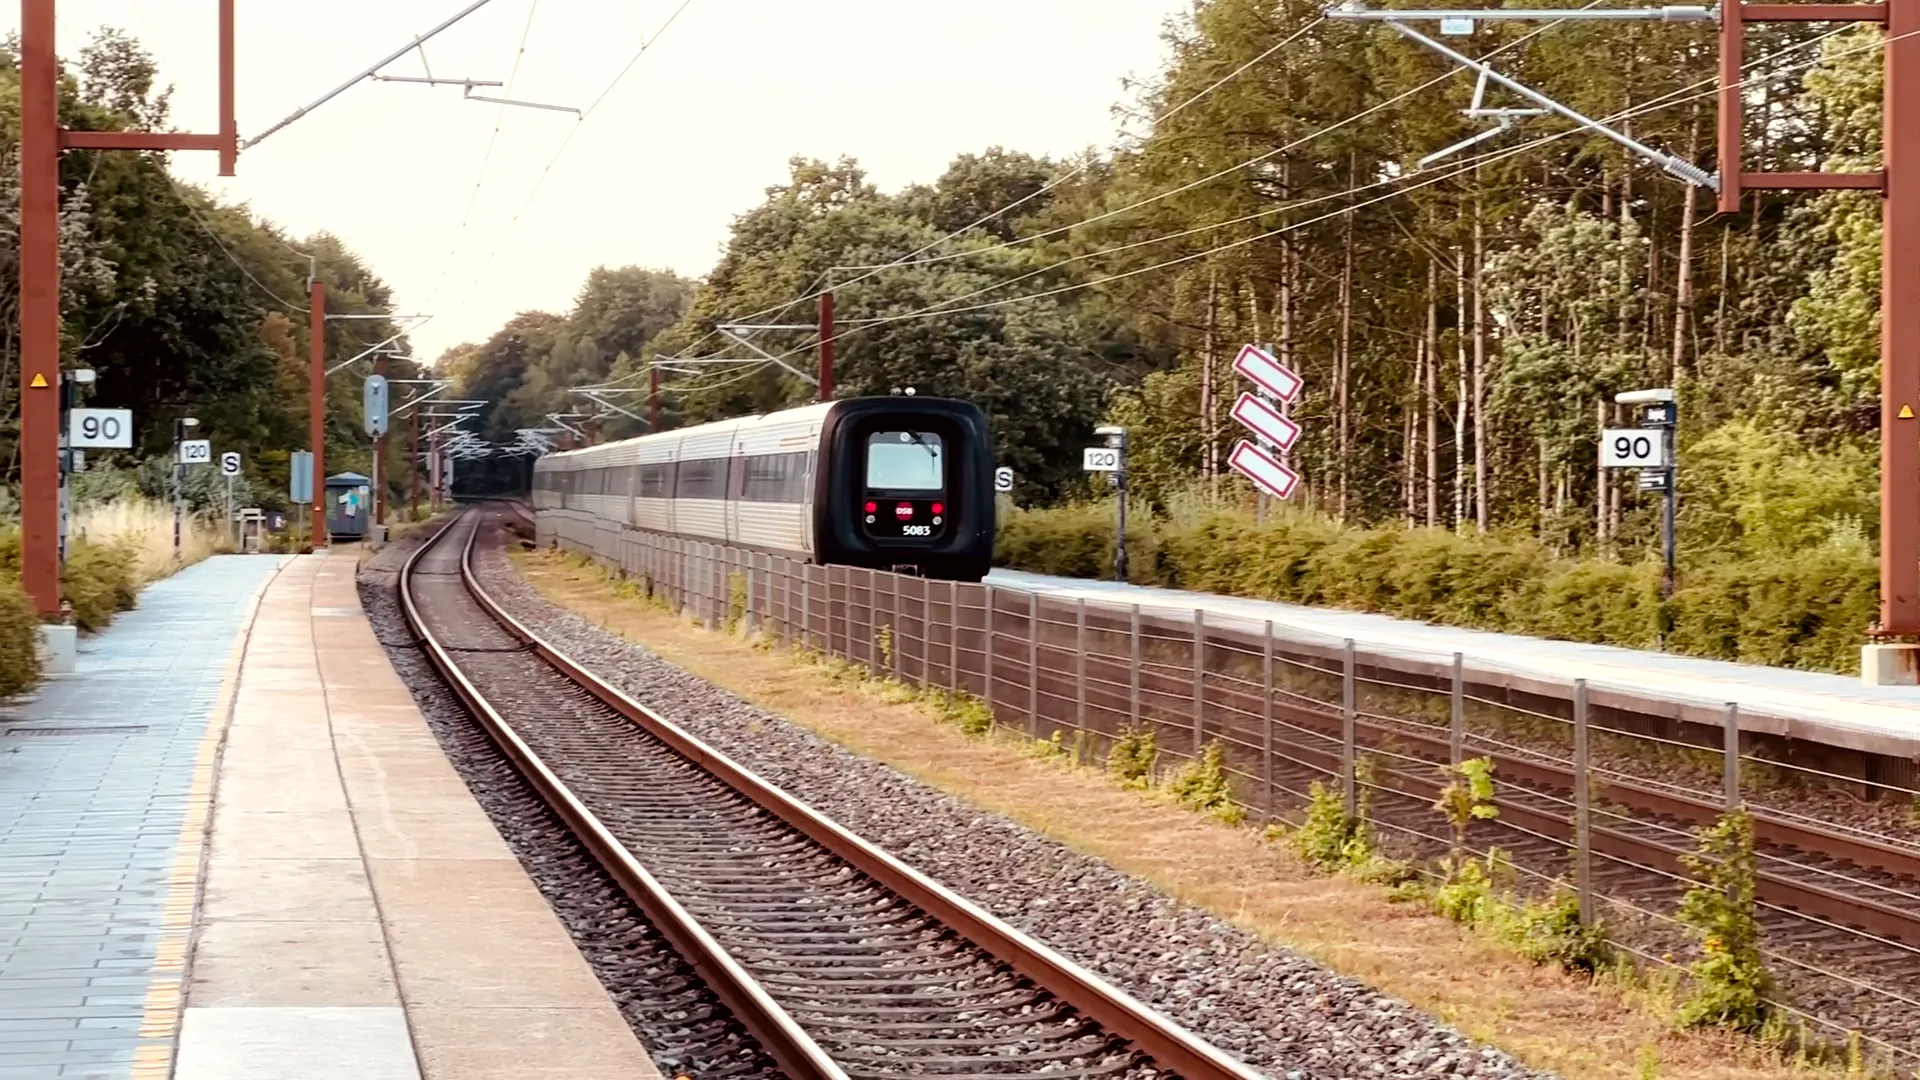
722 94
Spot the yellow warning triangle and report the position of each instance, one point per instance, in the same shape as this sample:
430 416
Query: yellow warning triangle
1906 412
39 380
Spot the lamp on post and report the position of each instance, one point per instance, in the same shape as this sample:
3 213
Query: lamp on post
1117 440
68 381
181 428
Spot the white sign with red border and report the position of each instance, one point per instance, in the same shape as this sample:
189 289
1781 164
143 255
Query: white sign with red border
1267 373
1265 421
1258 466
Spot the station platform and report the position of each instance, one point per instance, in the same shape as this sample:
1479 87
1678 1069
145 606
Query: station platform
1833 710
234 850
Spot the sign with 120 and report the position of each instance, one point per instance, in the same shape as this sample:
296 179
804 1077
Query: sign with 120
1633 448
196 452
1100 459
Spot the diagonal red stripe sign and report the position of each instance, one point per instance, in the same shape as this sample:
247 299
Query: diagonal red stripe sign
1270 374
1265 421
1258 466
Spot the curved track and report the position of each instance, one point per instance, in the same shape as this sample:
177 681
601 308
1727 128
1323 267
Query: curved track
840 959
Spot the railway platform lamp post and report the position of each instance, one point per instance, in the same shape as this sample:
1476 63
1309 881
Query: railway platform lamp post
1650 448
70 383
182 428
1116 439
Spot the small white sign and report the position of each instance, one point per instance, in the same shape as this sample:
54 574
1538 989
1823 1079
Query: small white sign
1265 421
1100 459
1003 479
1633 448
1270 374
100 429
1267 474
196 452
1456 27
230 463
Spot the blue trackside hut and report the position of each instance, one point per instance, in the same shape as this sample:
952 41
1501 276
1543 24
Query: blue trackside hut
349 505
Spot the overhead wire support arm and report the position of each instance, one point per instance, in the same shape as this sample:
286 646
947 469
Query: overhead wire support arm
369 73
1683 170
738 333
429 80
469 86
628 413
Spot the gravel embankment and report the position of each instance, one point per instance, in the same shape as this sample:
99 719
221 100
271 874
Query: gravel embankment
1273 1008
685 1030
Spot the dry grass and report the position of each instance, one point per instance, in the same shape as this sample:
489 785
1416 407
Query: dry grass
147 526
1579 1028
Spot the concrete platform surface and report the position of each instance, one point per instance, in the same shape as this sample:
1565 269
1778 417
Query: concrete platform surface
1836 710
361 916
105 778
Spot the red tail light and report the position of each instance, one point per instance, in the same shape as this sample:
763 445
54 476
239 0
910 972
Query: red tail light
939 508
871 507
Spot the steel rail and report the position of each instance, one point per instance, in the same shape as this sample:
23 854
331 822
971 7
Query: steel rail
1169 1046
790 1047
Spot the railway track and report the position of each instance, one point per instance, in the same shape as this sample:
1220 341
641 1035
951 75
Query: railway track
1841 933
840 959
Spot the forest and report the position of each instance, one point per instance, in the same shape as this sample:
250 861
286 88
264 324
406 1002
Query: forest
1462 324
181 305
1462 327
1462 321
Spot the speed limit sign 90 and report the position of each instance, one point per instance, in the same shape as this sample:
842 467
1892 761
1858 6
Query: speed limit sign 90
100 429
1633 448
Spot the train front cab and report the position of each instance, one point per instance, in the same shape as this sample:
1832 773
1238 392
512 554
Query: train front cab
908 486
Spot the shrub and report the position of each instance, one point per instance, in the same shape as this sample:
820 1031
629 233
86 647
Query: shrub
1549 931
1730 980
1467 797
1201 784
98 581
1328 838
1132 757
1805 609
19 640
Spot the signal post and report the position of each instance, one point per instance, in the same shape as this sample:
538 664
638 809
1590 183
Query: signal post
41 141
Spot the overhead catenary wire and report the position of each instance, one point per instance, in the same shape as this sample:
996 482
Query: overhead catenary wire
1425 180
814 292
181 193
1072 173
480 176
193 211
1249 163
547 170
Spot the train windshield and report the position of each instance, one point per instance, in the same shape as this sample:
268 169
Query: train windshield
905 461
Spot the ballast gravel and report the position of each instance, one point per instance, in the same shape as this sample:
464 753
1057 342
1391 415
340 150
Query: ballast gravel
1272 1008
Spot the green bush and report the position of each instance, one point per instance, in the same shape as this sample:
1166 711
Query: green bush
19 640
1805 609
98 581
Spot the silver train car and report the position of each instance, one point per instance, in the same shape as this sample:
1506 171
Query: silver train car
890 483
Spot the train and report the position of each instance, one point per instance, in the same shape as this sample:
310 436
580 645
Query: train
899 483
